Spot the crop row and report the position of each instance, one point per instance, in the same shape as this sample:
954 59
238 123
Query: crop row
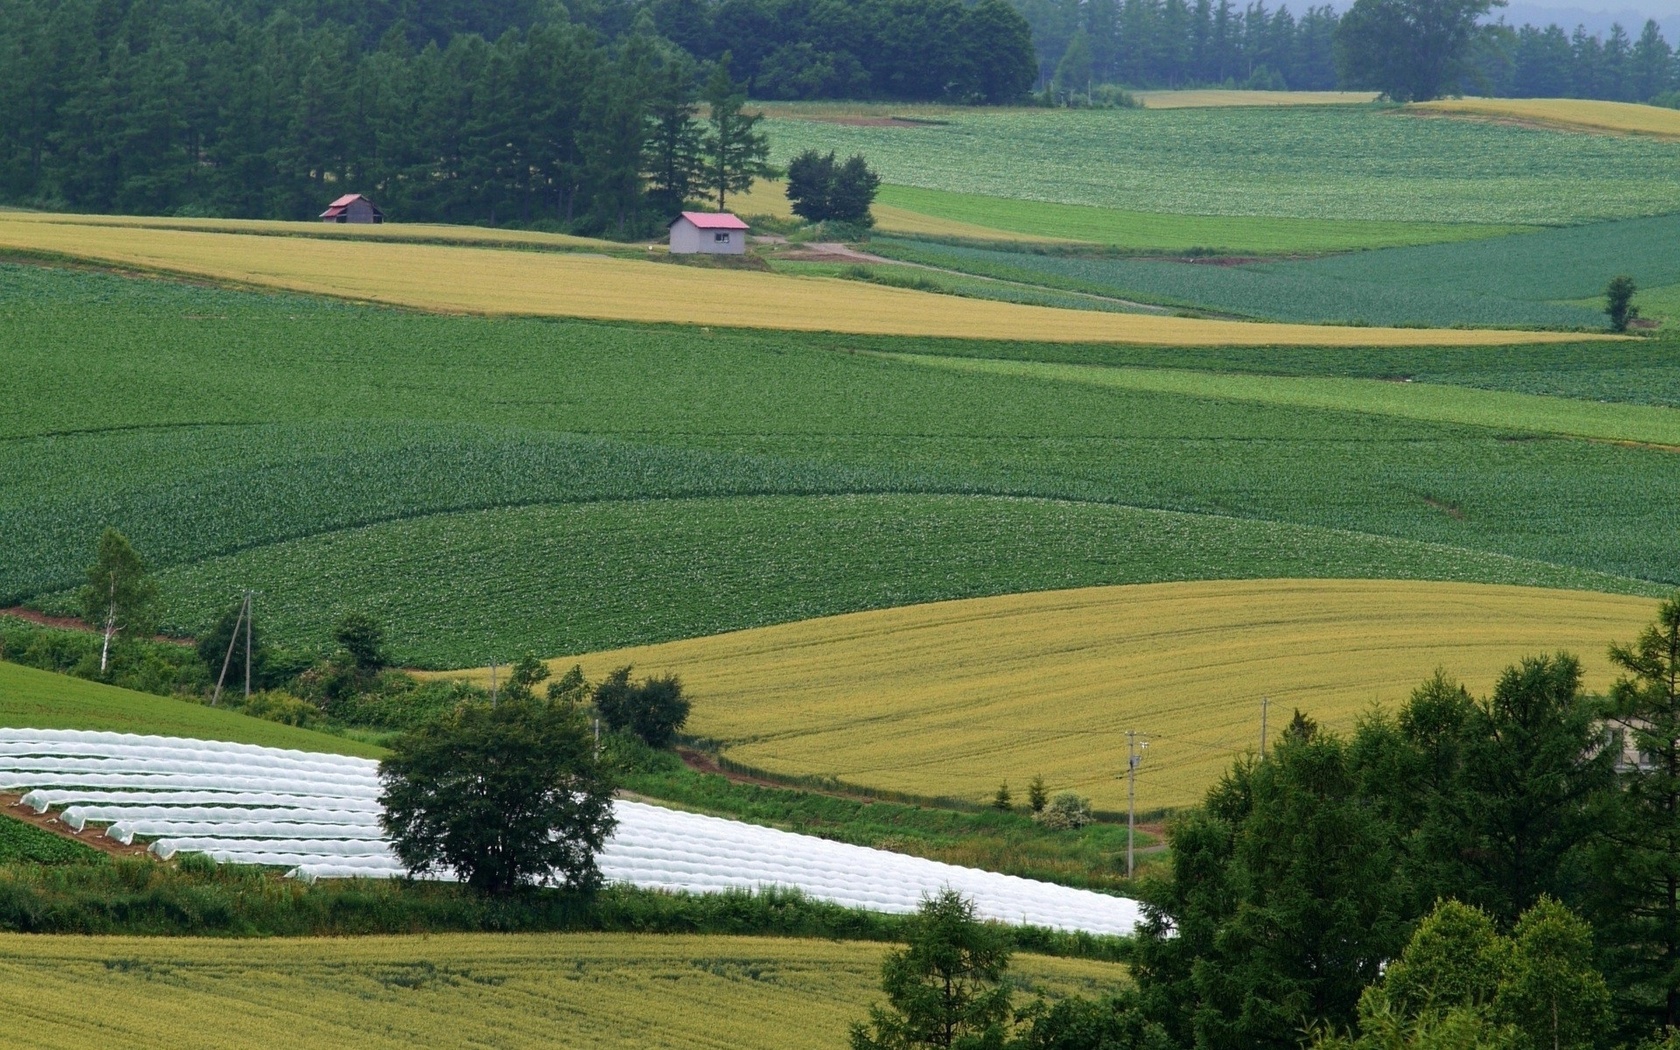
1331 162
1270 291
464 589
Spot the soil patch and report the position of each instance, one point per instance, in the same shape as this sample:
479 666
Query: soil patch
90 836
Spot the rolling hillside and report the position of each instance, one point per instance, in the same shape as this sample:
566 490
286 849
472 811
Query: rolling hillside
952 698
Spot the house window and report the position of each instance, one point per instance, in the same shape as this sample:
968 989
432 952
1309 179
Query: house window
721 238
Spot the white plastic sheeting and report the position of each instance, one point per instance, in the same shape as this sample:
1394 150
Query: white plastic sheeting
318 815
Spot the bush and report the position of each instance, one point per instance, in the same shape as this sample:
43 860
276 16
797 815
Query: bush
653 709
1066 812
823 190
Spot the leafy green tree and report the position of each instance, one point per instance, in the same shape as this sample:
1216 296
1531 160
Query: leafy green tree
506 796
855 186
948 987
363 641
524 677
1550 991
735 151
215 645
1074 72
810 185
1000 59
1455 959
1642 914
1114 1023
571 688
1284 900
1618 302
1410 50
118 595
653 709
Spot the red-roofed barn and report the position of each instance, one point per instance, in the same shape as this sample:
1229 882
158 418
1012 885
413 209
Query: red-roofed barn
712 233
352 207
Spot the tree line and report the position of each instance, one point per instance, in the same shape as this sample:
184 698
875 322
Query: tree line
1210 43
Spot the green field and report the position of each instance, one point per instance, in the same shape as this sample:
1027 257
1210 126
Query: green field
1338 163
486 486
42 700
1159 232
1553 278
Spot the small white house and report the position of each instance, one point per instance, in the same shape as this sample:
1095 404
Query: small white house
709 233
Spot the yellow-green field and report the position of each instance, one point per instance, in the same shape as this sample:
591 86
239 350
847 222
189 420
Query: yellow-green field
492 281
606 991
1573 113
951 698
770 198
1205 99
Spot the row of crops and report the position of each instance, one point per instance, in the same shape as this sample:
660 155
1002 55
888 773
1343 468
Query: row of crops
484 486
1331 162
1513 280
319 816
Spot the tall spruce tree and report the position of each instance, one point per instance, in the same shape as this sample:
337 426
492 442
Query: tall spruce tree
736 152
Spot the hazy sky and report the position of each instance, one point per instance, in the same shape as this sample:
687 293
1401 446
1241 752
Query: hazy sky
1596 15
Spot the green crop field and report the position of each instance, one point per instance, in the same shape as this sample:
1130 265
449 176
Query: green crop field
1343 163
488 486
1551 278
1159 232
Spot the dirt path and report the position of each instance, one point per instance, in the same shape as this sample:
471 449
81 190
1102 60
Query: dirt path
90 836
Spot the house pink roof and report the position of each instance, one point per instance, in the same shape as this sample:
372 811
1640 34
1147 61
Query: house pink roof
346 199
706 220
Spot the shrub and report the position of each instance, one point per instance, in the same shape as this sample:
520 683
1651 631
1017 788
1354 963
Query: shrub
1618 302
653 709
1066 812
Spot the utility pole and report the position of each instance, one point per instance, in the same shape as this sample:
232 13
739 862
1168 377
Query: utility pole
1265 702
492 683
233 639
1134 758
248 646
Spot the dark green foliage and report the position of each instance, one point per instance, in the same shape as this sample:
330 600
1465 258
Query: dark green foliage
1285 898
1002 63
653 709
222 644
823 190
1642 863
733 151
947 987
671 156
1003 800
20 842
507 796
1410 50
1037 794
363 640
1117 1022
1618 300
142 664
524 677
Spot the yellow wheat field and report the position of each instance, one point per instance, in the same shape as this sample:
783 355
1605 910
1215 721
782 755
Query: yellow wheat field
1581 114
412 232
596 991
492 281
953 697
1201 99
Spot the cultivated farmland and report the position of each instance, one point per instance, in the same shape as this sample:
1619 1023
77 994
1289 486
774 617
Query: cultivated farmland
597 991
1267 161
488 487
1571 113
950 699
501 282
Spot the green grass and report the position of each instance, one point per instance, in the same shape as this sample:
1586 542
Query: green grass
486 486
1329 163
25 843
1005 290
1287 291
1146 231
1530 413
463 589
31 699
